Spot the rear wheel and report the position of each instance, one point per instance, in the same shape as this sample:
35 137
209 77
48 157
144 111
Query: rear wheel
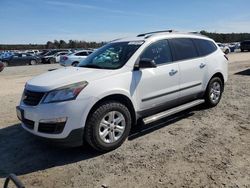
74 64
214 92
108 126
6 64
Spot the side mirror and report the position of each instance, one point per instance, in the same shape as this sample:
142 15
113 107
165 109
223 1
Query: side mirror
146 63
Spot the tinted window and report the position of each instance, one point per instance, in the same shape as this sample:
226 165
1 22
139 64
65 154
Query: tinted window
82 54
204 47
158 51
183 48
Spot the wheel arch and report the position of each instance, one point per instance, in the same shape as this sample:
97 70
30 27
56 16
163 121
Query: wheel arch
219 75
119 98
75 62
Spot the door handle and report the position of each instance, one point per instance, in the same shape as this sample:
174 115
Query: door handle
172 72
202 65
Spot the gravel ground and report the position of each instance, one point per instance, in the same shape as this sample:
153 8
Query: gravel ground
196 148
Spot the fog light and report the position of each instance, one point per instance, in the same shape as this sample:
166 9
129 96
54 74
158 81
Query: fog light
57 120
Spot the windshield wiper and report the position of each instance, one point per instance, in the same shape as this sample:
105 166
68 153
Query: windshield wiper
92 66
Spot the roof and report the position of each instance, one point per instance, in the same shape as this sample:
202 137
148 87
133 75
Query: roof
161 34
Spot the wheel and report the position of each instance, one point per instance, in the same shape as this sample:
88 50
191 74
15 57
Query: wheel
241 50
33 62
74 64
52 61
227 51
108 126
6 64
214 92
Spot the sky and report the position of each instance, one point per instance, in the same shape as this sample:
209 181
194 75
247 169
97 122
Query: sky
38 21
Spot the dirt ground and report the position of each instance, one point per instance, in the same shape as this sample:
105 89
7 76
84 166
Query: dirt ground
196 148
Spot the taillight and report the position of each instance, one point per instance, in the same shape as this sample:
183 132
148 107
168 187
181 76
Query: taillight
226 57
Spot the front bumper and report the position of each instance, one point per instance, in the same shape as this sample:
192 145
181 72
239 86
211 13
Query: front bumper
57 121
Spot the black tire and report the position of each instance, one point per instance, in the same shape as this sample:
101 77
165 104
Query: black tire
33 62
52 61
74 64
209 95
227 51
93 124
241 50
6 64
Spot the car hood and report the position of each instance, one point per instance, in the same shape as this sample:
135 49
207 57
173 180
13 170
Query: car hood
65 76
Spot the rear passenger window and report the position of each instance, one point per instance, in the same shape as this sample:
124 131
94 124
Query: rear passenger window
82 54
204 47
183 48
159 52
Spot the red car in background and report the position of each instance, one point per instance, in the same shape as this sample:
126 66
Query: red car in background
1 66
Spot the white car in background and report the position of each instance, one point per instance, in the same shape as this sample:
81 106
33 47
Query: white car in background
58 55
54 57
74 59
32 52
224 48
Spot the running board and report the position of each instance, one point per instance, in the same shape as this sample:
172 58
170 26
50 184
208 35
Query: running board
172 111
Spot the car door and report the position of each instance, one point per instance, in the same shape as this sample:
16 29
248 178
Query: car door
157 87
26 59
15 59
81 55
192 67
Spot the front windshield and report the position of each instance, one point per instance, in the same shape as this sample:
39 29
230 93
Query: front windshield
111 56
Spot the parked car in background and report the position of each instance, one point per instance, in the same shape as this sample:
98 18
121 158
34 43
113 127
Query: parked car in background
224 48
32 52
147 77
245 45
1 66
43 52
49 57
59 54
21 59
5 55
74 59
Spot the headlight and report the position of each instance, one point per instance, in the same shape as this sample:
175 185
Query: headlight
66 93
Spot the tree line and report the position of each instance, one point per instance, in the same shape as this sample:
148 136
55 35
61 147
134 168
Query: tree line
227 37
74 44
61 44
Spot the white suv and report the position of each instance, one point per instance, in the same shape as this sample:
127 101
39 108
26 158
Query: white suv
147 77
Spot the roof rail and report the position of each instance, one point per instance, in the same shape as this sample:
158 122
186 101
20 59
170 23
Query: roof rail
154 32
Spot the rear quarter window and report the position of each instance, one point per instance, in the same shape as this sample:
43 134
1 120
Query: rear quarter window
183 49
204 47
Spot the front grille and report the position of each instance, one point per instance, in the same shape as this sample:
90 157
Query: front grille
32 98
28 123
51 128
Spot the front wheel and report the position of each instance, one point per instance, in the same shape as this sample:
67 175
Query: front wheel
227 51
52 61
108 126
33 62
214 92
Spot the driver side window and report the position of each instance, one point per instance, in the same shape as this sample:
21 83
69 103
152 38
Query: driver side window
159 52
